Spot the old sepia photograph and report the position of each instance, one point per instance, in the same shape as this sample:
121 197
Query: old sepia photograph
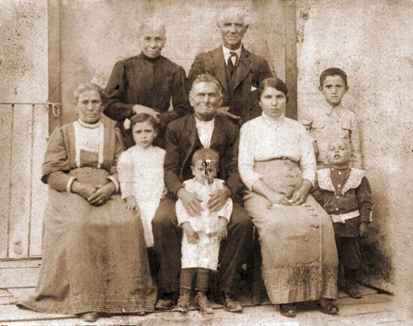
193 162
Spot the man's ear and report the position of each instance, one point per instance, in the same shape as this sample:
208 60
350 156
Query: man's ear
191 101
320 88
220 101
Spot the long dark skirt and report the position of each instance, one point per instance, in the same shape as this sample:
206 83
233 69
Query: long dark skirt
94 258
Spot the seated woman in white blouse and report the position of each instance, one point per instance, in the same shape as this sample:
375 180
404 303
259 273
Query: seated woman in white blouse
277 164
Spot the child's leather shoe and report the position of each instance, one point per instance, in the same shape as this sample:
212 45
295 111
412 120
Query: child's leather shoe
203 302
183 301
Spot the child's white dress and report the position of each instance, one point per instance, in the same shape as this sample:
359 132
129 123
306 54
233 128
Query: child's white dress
141 175
205 253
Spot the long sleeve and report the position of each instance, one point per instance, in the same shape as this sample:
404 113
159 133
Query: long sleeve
56 163
233 180
363 193
59 181
180 100
126 173
356 156
172 164
115 92
318 194
246 158
264 71
308 163
119 148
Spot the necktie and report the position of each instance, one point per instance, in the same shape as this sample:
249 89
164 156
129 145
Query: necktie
231 66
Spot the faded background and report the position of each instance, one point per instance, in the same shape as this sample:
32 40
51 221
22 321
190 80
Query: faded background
47 48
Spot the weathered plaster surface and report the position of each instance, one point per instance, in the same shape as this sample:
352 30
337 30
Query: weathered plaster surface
373 42
23 51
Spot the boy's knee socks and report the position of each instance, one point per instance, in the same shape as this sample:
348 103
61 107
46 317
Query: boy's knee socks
202 279
187 278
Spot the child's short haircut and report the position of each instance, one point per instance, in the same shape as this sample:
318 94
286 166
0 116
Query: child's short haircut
348 144
143 117
204 154
333 72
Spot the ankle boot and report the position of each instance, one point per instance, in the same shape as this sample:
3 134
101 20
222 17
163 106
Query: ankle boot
183 301
202 302
352 288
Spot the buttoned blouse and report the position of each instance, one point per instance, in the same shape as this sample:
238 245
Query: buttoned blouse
264 139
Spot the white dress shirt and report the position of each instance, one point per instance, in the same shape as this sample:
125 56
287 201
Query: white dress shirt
264 139
227 54
205 130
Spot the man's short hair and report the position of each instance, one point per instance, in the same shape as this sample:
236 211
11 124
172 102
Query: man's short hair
204 154
88 86
153 24
231 12
333 72
207 78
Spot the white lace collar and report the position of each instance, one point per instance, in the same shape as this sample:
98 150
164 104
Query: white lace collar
354 180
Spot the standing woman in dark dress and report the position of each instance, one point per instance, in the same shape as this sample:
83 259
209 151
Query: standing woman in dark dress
94 252
147 83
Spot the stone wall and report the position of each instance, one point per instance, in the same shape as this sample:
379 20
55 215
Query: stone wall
373 42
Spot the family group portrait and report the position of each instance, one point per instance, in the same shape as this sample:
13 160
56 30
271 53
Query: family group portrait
243 162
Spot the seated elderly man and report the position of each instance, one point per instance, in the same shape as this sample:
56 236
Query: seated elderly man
203 129
146 83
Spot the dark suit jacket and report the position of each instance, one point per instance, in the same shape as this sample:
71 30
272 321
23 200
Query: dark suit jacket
181 136
251 70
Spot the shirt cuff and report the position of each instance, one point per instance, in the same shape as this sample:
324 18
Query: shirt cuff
69 184
309 177
366 217
111 178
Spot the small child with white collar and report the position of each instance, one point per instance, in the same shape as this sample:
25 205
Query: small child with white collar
202 234
345 194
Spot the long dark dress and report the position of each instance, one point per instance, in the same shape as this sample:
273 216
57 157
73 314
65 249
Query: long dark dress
94 257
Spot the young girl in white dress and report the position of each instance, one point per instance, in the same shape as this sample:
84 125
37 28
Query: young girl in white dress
141 173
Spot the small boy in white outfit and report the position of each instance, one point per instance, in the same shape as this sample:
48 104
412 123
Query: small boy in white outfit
202 234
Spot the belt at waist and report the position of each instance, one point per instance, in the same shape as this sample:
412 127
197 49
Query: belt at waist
281 158
341 218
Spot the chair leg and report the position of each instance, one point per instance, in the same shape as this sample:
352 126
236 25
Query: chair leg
258 284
